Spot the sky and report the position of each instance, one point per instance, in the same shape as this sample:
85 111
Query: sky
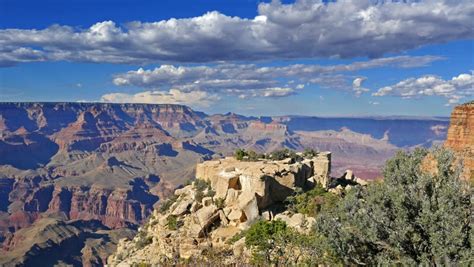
307 57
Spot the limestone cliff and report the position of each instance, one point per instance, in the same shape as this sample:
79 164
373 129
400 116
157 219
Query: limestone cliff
461 137
228 196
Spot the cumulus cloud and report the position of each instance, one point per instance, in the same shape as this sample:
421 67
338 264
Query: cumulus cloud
173 96
249 80
455 89
357 86
357 28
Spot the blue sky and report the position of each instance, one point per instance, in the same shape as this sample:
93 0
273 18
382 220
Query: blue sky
249 57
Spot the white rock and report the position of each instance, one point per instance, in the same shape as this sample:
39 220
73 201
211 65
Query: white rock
182 206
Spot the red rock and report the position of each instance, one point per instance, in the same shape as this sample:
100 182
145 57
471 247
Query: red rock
461 137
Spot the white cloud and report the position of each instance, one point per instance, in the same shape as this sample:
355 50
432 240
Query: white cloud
357 86
248 80
173 96
454 90
305 29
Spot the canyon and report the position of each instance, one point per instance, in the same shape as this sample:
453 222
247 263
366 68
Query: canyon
93 172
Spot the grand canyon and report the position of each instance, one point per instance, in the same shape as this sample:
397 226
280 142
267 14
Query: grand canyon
236 133
79 174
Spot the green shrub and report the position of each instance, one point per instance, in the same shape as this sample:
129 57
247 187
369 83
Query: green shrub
164 207
236 237
198 196
242 154
173 223
210 193
309 153
279 154
201 185
284 154
261 237
273 243
219 202
311 202
239 154
412 218
143 240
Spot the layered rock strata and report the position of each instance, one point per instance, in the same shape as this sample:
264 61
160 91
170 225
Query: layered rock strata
238 194
461 137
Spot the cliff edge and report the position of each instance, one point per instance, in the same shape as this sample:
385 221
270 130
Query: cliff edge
461 137
227 197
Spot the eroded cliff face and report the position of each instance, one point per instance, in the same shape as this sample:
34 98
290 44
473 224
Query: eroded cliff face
114 208
227 197
461 137
49 241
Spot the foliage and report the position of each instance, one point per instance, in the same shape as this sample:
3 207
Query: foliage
164 207
273 243
188 182
173 223
412 218
199 196
210 193
284 154
236 237
239 154
242 154
261 238
201 186
220 203
309 153
311 202
143 240
279 154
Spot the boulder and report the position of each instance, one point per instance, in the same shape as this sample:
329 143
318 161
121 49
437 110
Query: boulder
267 215
195 206
360 181
232 196
348 175
248 204
182 206
206 217
223 218
187 190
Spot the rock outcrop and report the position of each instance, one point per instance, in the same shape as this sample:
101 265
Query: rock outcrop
228 196
461 137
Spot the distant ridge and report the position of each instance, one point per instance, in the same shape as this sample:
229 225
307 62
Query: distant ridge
375 117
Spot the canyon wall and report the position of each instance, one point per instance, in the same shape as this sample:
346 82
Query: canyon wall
461 137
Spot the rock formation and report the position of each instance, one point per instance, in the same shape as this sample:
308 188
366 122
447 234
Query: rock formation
461 137
228 196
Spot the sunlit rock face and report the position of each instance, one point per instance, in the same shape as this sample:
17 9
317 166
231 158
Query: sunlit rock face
461 137
228 196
